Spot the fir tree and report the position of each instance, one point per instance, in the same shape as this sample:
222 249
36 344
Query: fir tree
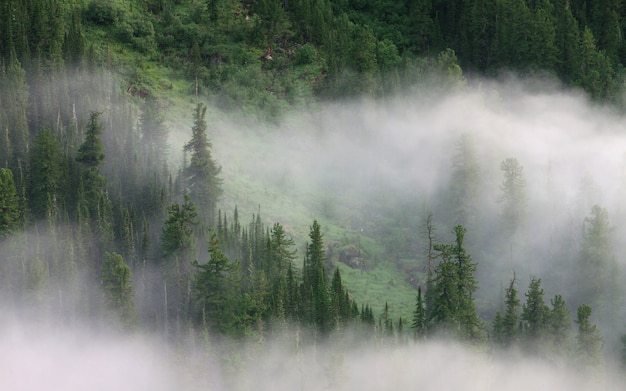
117 288
589 342
454 310
216 288
45 173
535 314
9 204
511 319
513 198
419 317
315 287
202 173
90 155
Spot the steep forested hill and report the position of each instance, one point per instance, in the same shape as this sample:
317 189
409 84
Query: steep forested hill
113 113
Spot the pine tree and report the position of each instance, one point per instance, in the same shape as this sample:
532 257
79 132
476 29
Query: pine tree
117 288
45 173
420 25
315 285
216 288
511 319
177 237
513 198
280 253
15 99
558 323
595 72
90 155
597 278
419 317
567 41
9 204
465 183
454 310
535 315
589 342
202 174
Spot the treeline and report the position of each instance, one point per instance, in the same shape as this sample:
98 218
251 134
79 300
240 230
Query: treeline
151 255
262 57
447 310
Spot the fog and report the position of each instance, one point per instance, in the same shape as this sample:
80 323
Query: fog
364 156
365 163
54 358
357 165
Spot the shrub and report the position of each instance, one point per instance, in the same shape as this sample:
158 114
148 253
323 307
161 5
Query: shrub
305 55
103 12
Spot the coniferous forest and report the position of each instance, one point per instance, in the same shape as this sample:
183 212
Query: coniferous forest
120 212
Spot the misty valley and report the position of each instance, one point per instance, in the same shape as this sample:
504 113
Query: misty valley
312 195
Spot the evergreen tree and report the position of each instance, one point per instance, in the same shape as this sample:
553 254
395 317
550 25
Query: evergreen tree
74 44
513 198
340 307
315 287
280 253
482 28
604 22
454 311
419 317
465 183
216 288
177 236
118 292
15 97
567 41
597 274
595 72
45 173
535 314
589 342
511 319
202 174
420 25
558 323
90 155
9 204
37 283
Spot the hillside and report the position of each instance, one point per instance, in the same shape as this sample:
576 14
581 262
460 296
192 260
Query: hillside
238 168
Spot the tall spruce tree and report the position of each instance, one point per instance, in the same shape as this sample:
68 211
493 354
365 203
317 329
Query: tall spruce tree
315 286
535 315
202 179
454 310
558 323
465 184
45 173
419 317
9 203
91 155
509 332
598 284
513 197
589 342
117 289
216 286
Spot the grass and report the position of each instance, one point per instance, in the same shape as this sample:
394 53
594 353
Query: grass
382 284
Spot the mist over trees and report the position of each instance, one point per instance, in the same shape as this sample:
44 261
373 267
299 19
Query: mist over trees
115 209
